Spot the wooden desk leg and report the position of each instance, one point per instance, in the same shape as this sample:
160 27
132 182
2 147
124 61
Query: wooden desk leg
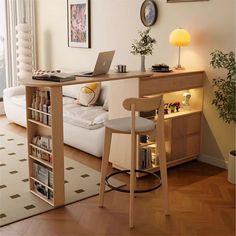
57 145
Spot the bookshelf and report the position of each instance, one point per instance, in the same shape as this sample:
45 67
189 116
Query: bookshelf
46 160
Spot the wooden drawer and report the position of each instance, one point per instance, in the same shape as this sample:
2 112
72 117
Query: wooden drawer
185 125
154 85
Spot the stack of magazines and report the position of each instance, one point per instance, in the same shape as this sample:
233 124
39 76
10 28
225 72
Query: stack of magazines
55 77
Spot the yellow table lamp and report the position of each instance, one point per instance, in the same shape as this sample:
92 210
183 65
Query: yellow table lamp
179 37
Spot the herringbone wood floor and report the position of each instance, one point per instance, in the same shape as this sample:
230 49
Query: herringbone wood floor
202 204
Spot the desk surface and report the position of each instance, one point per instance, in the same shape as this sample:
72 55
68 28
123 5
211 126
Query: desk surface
82 80
107 77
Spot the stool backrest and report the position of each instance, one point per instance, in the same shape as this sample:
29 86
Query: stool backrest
143 104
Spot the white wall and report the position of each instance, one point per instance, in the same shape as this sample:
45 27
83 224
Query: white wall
114 25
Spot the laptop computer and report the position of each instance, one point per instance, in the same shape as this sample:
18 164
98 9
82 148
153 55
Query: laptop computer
102 65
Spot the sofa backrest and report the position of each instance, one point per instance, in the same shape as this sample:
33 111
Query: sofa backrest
73 91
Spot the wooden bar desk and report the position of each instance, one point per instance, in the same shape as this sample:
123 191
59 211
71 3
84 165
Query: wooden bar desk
182 129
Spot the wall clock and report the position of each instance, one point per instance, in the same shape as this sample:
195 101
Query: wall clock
148 12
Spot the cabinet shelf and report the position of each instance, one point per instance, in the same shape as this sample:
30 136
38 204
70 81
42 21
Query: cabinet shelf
41 149
36 180
49 201
148 144
46 163
181 113
39 123
42 112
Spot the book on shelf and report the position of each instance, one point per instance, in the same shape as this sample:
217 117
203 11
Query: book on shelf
41 102
41 173
145 158
55 77
44 142
43 191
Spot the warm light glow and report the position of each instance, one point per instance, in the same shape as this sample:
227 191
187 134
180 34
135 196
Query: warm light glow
179 37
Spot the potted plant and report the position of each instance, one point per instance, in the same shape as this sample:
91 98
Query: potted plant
143 46
224 100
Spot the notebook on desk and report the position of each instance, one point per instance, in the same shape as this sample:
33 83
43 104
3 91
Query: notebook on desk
102 65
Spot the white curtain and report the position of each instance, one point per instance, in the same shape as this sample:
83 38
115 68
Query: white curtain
17 12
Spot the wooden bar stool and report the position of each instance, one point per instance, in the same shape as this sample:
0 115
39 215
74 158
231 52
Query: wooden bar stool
136 125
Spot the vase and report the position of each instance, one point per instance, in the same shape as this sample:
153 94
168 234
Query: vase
143 63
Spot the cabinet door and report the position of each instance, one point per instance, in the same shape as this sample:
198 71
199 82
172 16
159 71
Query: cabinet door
185 136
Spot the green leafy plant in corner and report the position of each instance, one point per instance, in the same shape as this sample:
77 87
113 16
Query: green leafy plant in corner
143 46
225 88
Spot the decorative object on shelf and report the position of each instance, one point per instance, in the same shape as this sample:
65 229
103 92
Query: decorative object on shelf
185 102
143 46
78 13
24 51
179 37
225 90
148 12
166 108
177 106
176 1
172 107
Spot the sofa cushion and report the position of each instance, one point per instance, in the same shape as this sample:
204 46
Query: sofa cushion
85 117
74 90
89 94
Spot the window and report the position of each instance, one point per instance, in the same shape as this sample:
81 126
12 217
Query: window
2 49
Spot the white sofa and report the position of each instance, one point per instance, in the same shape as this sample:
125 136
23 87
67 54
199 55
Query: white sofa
83 126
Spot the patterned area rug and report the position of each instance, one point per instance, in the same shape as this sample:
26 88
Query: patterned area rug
16 201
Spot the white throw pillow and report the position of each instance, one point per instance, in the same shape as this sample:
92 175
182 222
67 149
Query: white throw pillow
89 94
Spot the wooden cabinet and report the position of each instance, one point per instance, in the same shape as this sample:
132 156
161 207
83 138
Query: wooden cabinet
182 128
46 161
184 134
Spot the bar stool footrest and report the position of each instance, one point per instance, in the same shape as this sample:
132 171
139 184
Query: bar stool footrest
120 189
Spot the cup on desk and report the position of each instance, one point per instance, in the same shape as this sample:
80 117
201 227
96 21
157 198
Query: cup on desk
120 68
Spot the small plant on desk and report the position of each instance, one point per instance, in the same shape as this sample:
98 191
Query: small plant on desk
143 47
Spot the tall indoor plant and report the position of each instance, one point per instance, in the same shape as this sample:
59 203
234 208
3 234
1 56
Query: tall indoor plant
143 46
224 100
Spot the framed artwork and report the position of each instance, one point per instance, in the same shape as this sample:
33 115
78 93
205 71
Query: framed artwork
148 12
78 14
186 0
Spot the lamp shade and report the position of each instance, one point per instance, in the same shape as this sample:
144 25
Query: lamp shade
179 37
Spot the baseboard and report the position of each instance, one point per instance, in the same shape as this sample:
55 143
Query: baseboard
213 161
2 111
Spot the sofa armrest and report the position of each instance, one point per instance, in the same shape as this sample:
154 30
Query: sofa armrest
10 92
